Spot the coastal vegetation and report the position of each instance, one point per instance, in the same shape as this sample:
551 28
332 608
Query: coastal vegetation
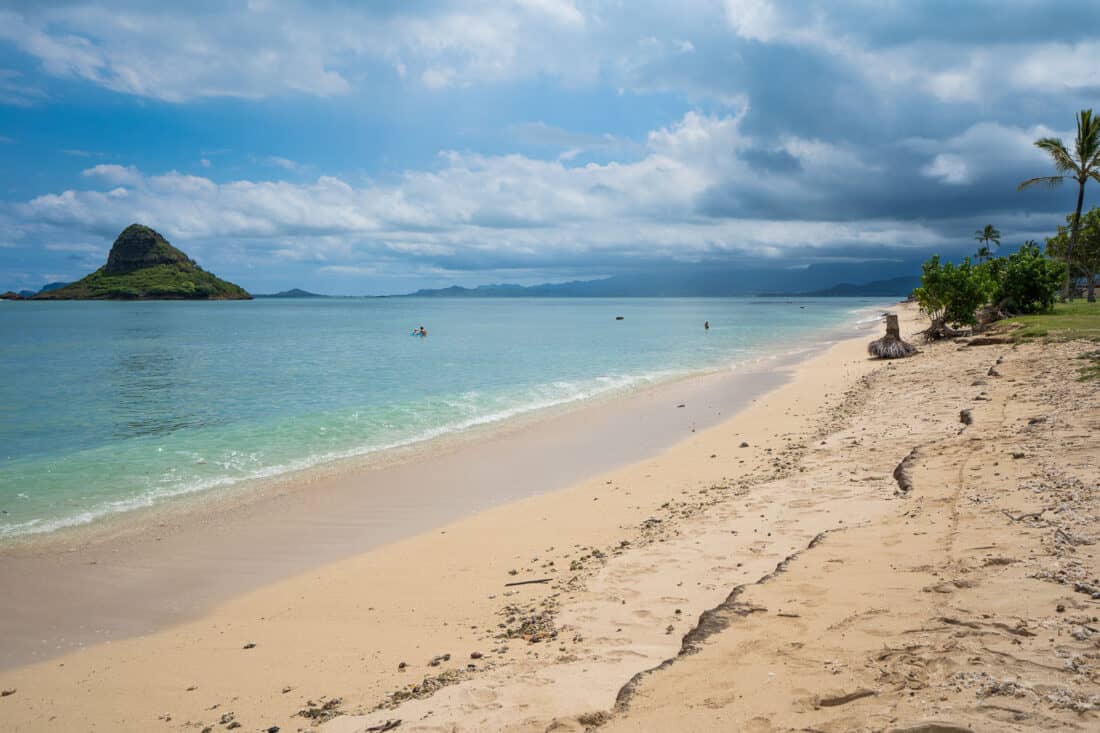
1079 164
968 294
142 265
976 294
1086 259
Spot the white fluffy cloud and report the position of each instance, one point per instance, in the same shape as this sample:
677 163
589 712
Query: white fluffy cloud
257 49
870 124
114 174
509 207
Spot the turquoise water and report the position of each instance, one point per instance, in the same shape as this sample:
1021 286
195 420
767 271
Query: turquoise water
108 407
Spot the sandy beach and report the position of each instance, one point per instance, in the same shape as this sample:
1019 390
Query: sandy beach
848 545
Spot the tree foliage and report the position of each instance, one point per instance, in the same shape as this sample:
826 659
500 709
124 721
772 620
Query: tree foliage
1028 281
1086 254
951 294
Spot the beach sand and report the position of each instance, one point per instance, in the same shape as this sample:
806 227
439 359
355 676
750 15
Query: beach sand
773 572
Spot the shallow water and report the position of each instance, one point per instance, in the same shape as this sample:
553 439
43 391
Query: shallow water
110 406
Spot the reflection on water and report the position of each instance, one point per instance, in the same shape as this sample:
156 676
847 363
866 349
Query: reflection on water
149 380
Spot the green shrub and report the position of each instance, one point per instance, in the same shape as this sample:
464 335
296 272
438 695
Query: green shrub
951 294
1029 281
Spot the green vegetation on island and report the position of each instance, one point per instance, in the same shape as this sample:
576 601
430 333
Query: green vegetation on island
142 265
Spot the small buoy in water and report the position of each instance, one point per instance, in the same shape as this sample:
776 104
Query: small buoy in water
619 318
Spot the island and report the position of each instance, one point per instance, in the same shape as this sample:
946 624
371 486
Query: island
292 293
142 265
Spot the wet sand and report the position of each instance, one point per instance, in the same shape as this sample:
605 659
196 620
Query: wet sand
144 572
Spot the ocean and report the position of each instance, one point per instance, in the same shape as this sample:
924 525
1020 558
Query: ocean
107 407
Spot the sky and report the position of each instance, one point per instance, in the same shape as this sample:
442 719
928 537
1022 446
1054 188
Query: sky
380 147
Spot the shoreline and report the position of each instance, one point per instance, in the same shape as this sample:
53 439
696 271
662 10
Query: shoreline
136 577
789 583
186 504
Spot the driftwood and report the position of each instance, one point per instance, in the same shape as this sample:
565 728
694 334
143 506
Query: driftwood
891 346
940 330
528 582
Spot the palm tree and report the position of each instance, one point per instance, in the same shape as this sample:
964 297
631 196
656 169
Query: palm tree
984 237
1080 164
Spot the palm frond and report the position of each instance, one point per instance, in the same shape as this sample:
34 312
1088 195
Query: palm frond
1054 147
1092 162
1051 181
1088 136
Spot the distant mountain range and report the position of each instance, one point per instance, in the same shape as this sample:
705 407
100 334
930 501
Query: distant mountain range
900 286
44 289
896 279
842 280
292 293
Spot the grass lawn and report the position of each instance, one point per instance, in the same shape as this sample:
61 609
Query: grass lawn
1068 321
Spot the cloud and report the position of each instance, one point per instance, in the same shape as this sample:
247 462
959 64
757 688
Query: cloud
254 50
15 92
560 11
76 247
114 174
698 188
278 162
985 151
697 47
610 130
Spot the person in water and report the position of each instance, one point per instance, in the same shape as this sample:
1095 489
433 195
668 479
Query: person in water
422 331
706 325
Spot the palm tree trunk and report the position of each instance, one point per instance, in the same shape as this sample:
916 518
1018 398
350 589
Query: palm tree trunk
1073 239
